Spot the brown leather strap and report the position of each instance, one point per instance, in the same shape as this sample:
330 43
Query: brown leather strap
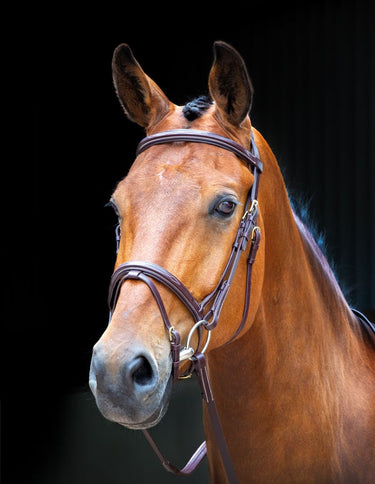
198 136
138 270
132 270
200 368
189 467
255 242
246 232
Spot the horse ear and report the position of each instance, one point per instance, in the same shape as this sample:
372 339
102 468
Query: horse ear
143 101
230 85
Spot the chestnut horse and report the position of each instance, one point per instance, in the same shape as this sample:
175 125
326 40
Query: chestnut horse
295 388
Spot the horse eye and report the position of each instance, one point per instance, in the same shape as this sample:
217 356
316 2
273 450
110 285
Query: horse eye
226 208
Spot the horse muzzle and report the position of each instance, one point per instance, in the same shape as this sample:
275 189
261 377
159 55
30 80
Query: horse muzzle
132 390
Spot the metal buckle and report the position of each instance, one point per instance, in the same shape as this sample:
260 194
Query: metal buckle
252 209
170 333
255 229
187 351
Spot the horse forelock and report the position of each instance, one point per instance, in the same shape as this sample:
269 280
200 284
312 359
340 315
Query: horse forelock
194 109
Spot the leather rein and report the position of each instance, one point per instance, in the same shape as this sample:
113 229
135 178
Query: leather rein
205 314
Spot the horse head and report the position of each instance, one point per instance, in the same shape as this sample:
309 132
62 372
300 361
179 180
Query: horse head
179 207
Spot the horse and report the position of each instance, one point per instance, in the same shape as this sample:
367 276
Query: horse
293 373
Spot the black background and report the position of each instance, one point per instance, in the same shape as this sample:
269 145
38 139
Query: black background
313 68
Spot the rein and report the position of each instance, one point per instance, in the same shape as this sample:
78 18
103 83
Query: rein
205 314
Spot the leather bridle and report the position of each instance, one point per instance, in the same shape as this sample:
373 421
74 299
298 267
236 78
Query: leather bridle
206 313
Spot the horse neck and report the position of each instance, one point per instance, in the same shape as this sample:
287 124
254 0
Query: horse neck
300 294
302 314
298 370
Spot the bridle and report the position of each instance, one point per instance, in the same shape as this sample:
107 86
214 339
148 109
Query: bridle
206 313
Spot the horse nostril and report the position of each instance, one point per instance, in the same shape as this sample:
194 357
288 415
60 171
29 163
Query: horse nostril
121 380
141 371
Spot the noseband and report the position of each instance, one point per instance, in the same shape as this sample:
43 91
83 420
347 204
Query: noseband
205 314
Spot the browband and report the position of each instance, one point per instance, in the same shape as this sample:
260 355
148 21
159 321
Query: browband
197 136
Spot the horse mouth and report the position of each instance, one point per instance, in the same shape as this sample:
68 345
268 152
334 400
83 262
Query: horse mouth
135 414
151 421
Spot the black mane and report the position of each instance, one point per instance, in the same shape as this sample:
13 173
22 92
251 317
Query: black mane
194 109
301 208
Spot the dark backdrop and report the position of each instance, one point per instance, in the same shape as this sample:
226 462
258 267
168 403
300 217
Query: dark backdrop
313 67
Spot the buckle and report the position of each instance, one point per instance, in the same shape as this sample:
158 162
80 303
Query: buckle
187 351
253 208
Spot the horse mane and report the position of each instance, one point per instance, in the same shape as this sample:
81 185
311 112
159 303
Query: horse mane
195 108
301 210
